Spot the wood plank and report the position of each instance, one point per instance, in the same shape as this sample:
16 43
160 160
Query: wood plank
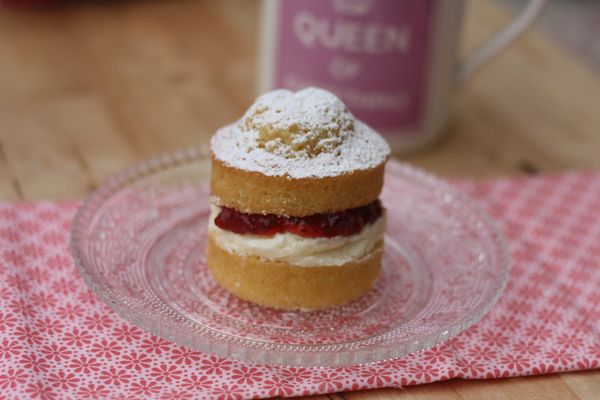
135 83
586 384
85 121
10 189
45 164
162 95
550 387
37 58
36 161
433 391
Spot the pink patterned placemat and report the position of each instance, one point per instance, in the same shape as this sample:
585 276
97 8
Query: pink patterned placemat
58 341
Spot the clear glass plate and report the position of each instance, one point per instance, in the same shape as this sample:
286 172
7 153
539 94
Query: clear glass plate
139 243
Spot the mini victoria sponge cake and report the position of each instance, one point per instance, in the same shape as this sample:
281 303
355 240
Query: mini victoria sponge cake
296 222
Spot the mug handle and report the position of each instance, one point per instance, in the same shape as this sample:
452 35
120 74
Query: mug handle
486 52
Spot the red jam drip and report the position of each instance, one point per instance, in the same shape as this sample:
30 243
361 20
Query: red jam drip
344 223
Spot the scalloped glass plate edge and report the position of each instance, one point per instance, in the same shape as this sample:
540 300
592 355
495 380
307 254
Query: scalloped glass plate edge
227 348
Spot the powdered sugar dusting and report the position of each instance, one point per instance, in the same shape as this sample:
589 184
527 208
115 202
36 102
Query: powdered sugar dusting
305 134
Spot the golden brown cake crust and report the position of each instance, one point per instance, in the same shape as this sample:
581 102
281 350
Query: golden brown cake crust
282 285
253 192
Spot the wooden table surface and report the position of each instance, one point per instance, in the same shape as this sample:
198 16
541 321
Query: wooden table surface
88 90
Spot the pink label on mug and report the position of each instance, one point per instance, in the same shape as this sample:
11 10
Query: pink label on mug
371 53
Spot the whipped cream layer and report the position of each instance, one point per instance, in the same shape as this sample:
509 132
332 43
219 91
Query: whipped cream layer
297 250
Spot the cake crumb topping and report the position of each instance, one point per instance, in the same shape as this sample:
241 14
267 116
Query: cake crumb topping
309 133
302 124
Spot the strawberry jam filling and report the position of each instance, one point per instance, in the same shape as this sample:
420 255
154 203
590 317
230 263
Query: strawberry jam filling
343 223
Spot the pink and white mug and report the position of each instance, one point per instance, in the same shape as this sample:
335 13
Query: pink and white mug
393 62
